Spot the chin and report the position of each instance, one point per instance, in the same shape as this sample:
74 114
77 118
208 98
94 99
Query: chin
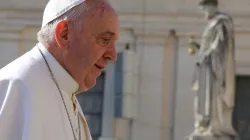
88 85
92 84
83 88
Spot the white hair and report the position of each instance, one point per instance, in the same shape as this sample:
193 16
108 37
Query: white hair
74 16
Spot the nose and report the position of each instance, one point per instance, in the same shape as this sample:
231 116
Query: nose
111 53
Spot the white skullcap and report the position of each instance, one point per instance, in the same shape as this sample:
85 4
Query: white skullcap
56 8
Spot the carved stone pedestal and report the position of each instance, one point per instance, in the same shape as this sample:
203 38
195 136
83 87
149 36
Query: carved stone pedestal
196 137
206 137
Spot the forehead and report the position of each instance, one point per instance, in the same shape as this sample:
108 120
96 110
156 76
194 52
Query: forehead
102 21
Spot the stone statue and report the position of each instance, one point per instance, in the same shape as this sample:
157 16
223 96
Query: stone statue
214 79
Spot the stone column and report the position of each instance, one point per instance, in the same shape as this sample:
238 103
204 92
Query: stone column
169 86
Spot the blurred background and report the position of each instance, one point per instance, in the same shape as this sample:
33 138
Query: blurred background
146 94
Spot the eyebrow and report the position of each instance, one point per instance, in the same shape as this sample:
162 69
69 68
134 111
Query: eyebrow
109 33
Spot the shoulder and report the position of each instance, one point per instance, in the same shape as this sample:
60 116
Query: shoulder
13 92
19 68
13 69
223 22
11 84
223 18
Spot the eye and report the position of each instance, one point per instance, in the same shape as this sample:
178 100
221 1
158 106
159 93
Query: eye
104 41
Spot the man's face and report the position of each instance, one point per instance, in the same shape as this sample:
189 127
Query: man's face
90 51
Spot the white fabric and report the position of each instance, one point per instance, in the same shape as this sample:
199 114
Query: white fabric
30 104
56 8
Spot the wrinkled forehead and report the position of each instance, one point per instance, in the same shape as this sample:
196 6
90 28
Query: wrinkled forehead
99 5
107 22
102 18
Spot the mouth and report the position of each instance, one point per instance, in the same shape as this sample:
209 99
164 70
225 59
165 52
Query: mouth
100 66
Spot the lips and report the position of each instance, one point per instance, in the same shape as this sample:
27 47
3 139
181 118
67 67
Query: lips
100 66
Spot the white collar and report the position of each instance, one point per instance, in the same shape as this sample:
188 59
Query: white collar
63 78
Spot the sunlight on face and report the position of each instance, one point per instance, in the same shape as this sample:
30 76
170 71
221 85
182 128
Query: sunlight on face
92 50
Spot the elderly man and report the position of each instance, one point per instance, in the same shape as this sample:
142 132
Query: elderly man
37 91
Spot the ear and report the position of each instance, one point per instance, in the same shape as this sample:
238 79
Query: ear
62 33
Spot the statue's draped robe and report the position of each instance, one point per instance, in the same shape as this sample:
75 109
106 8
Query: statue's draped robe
216 74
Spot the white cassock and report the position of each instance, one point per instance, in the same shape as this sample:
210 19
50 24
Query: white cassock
31 107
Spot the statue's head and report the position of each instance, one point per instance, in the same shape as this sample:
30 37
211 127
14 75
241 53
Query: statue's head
209 7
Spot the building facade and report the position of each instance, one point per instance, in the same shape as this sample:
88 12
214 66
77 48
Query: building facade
146 94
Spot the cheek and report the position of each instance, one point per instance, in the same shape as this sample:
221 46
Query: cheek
86 53
97 51
90 79
82 51
77 58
